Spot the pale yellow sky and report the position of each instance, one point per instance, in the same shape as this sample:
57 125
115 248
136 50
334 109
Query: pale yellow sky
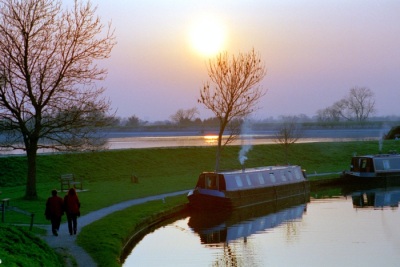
314 51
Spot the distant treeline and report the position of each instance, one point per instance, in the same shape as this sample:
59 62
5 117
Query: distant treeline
213 126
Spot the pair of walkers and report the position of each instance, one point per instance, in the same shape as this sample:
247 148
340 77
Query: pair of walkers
56 206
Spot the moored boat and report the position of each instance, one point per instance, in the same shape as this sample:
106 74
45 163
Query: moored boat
374 167
228 190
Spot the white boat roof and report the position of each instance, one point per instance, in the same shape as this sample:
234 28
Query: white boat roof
258 169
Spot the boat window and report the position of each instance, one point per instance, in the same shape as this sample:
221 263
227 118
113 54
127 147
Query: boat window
284 178
260 178
297 174
248 179
289 175
363 163
366 165
238 181
386 164
272 177
211 182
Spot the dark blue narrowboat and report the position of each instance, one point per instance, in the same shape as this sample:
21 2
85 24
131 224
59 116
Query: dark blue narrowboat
229 190
374 167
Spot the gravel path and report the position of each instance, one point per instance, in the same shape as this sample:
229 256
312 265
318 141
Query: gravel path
67 243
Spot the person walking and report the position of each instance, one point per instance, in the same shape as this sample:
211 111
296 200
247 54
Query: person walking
72 209
54 211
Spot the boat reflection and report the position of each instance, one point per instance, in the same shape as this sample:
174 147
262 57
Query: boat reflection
217 229
377 198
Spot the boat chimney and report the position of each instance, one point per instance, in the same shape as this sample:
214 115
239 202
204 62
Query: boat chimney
243 168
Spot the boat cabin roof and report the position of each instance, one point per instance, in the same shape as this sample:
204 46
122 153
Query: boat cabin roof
250 178
389 155
258 169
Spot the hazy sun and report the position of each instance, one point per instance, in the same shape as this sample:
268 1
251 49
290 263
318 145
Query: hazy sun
207 36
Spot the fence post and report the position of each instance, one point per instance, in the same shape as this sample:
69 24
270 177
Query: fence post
31 226
3 211
3 207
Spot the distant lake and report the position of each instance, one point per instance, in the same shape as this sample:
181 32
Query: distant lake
127 140
117 140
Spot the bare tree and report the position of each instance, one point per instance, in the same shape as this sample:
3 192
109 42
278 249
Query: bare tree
288 133
358 106
184 116
235 92
361 103
49 98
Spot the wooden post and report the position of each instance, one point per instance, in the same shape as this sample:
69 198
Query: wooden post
134 179
3 211
31 226
3 208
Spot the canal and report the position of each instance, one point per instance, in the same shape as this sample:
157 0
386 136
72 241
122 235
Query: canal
333 227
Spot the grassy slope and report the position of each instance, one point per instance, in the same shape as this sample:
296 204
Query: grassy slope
107 174
21 248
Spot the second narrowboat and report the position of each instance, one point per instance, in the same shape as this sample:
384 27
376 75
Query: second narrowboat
374 167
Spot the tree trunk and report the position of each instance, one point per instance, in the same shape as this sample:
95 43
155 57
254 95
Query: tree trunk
219 147
218 152
31 153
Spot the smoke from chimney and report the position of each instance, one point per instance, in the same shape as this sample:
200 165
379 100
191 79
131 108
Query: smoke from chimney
246 141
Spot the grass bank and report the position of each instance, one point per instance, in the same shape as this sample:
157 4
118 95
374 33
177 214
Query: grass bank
107 177
19 247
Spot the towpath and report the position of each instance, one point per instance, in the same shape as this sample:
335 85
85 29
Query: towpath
66 243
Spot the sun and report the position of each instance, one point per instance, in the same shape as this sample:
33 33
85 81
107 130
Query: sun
207 36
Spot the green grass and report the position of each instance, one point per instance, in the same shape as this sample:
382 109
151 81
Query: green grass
21 248
107 177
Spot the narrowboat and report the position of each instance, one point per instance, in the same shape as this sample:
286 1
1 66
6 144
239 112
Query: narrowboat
374 167
229 190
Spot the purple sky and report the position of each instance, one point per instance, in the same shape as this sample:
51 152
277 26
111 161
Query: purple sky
314 51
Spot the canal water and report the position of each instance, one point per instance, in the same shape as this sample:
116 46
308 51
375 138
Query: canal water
333 227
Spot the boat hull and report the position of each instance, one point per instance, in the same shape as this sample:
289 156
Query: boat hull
228 200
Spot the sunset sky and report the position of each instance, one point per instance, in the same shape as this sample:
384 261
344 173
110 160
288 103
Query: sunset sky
314 52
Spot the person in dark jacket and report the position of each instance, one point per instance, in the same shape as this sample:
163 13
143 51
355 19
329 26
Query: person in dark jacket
54 211
72 209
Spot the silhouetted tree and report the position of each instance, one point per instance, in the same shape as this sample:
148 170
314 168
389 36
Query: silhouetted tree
184 116
288 133
133 121
211 122
47 56
360 103
235 92
357 106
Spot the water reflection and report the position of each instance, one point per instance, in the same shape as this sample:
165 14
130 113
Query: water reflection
377 198
220 228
